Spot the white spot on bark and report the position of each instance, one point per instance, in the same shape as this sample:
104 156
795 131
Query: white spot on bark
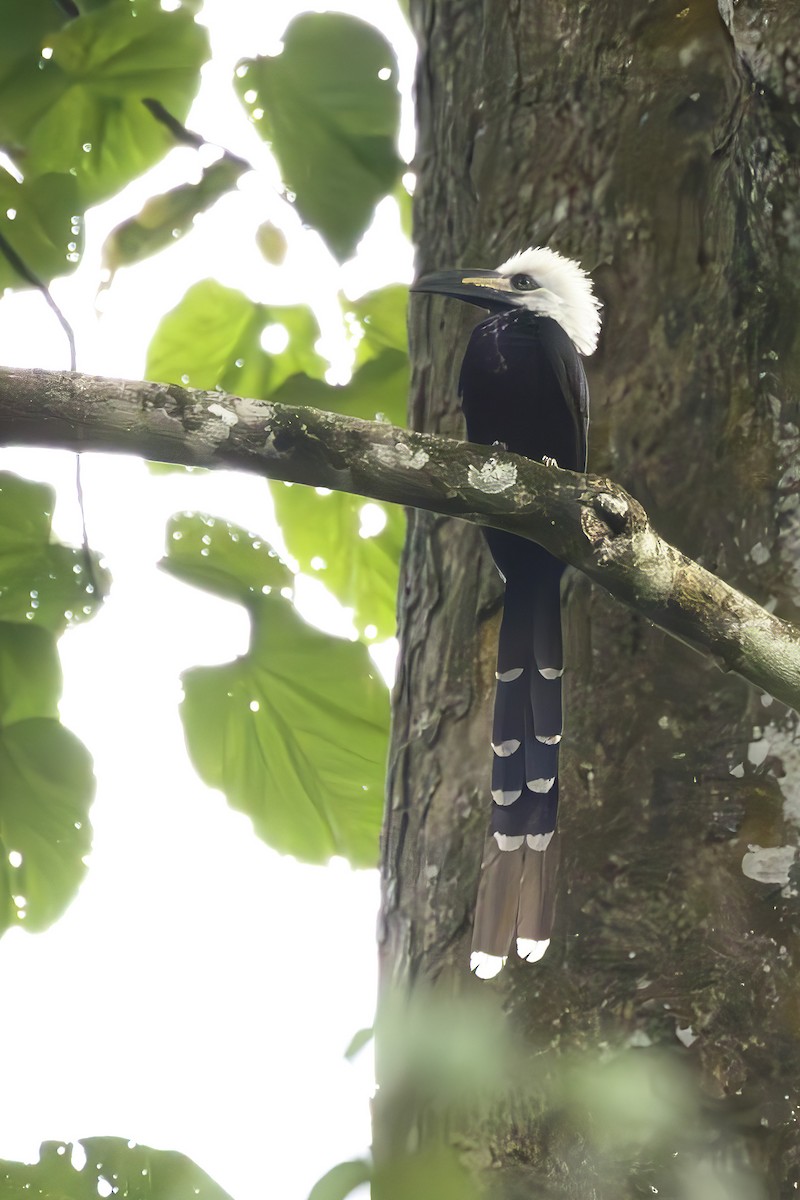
401 455
485 966
226 415
493 477
540 841
769 864
531 950
759 554
686 1035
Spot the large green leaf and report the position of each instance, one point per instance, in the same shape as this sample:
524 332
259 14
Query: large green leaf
112 1165
322 531
25 26
41 223
46 785
295 731
329 106
212 338
42 582
377 391
78 109
342 1180
381 321
222 558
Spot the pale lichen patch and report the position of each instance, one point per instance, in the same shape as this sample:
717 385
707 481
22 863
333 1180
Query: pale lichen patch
493 477
401 455
226 415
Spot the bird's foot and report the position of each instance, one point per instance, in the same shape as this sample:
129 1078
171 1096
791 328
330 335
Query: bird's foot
549 462
501 446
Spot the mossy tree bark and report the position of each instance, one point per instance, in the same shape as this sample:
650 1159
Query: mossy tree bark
657 144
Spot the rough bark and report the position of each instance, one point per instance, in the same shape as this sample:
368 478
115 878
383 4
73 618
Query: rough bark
658 145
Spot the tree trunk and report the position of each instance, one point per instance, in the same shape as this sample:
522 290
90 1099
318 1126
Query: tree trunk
658 146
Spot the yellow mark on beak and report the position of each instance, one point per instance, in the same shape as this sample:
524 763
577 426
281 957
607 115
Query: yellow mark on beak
498 284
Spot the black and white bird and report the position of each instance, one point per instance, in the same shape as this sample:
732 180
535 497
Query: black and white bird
523 386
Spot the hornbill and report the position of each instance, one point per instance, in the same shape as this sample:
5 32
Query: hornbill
522 386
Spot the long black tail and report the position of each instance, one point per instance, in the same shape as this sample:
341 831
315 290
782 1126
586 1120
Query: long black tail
516 893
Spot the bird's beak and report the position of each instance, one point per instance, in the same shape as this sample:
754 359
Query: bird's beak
484 288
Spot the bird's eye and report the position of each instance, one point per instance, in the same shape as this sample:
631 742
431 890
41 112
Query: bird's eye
522 283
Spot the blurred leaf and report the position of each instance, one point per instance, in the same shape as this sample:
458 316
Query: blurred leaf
381 318
330 109
341 1180
377 391
404 203
358 1041
166 218
212 338
454 1053
239 564
112 1164
361 572
295 732
632 1099
80 110
40 580
432 1174
45 231
271 241
46 785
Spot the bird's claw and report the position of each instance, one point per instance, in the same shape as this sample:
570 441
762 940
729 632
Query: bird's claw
549 462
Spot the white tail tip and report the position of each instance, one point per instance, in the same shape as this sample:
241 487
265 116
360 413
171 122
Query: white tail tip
531 950
539 841
507 841
486 966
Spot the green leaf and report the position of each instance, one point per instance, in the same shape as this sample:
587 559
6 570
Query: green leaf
42 582
167 217
80 111
377 391
271 241
25 26
295 734
380 318
222 558
361 572
330 108
45 229
212 338
342 1180
46 785
358 1041
433 1172
135 1172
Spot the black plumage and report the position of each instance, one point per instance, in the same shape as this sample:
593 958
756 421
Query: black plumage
523 386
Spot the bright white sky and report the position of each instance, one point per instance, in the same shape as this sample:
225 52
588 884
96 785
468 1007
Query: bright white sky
201 990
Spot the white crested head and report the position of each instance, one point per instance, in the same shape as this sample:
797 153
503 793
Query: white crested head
561 290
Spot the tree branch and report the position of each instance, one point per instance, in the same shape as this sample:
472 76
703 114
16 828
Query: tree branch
588 521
